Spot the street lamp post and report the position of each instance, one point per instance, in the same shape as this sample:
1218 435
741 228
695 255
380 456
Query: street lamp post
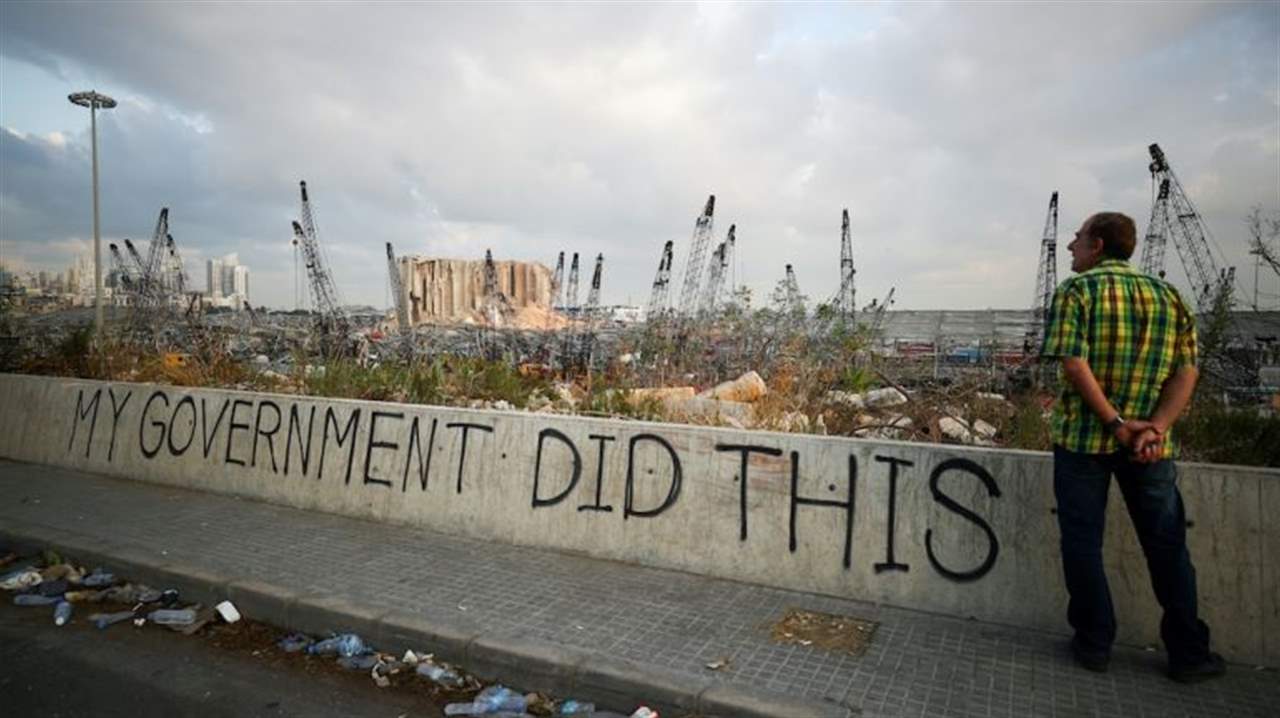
93 100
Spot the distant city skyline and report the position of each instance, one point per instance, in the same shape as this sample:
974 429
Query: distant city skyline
531 129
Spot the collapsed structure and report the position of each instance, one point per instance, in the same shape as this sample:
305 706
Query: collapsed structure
445 291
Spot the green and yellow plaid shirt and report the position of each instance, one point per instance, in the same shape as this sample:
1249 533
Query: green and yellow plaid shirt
1133 330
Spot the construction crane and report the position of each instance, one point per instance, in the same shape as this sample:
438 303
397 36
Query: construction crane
571 297
877 319
697 258
152 269
793 301
593 294
719 269
1213 288
557 282
586 339
661 284
846 296
126 277
494 304
330 321
397 288
1046 278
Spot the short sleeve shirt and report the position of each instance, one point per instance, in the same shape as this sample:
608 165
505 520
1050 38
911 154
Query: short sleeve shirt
1134 330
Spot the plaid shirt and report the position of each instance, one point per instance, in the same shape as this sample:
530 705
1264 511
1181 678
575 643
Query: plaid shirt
1134 331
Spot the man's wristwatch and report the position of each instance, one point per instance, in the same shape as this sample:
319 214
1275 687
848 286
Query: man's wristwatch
1114 425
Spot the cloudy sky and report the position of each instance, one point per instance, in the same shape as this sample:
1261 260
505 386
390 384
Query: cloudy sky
533 128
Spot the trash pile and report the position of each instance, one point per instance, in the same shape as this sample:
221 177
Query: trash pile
48 580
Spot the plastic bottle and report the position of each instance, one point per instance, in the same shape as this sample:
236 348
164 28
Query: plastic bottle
20 579
98 578
345 645
439 674
102 620
293 643
61 613
490 700
172 617
573 707
34 599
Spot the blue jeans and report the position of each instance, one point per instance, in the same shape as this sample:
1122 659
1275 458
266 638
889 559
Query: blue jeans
1080 484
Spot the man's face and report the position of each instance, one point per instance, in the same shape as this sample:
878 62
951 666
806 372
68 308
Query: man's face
1086 250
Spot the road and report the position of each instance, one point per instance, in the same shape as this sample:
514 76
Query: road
77 670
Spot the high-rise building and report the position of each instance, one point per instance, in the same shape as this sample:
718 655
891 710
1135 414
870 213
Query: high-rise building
240 282
227 281
213 279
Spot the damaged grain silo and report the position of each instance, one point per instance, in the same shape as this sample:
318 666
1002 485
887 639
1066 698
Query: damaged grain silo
452 291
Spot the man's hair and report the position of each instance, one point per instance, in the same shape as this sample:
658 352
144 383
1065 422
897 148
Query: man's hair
1117 231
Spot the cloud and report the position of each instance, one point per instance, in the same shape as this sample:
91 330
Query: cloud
534 129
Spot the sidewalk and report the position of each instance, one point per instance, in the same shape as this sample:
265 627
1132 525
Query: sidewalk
673 623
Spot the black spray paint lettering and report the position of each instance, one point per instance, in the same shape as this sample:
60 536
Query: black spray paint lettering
83 412
889 564
848 505
994 544
462 453
232 426
677 477
209 433
597 506
543 435
373 443
295 429
745 450
331 419
270 434
424 455
186 401
142 423
116 411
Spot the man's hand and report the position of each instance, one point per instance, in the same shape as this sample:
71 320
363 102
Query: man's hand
1143 439
1130 430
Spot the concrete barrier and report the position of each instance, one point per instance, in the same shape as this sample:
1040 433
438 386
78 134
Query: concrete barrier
948 529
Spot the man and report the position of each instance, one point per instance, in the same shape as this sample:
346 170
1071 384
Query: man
1128 350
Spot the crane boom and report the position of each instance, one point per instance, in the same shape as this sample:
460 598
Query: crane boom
324 292
661 284
397 288
1046 277
1211 287
697 258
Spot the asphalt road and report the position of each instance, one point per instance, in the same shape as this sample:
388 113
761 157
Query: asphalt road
77 670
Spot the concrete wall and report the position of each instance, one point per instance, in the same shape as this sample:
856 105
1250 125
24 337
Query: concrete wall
960 531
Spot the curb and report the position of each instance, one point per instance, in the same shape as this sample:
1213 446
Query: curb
519 660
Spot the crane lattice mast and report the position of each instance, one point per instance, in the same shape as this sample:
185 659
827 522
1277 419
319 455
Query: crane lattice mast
718 271
661 284
877 319
1046 277
324 292
697 258
557 282
397 288
1157 237
1212 287
792 299
846 298
586 341
571 296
